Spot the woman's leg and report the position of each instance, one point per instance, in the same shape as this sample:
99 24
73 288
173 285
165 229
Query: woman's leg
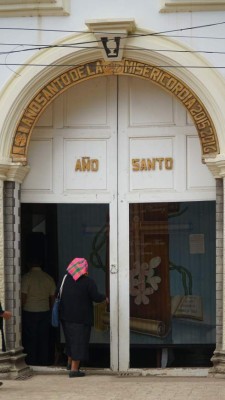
75 372
77 344
75 365
69 363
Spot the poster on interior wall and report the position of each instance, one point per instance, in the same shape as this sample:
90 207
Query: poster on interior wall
150 309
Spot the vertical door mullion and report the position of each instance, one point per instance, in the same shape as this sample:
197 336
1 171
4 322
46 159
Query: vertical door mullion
113 268
113 221
123 226
124 305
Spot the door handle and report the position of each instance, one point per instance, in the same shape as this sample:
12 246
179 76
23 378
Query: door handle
113 269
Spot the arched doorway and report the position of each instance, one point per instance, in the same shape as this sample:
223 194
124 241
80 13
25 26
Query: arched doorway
113 165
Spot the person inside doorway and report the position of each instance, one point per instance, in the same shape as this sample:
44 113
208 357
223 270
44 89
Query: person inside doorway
76 313
3 315
38 289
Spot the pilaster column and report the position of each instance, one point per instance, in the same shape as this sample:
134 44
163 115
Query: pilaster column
12 362
217 167
2 276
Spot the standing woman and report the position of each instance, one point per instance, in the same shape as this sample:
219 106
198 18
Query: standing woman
77 314
3 315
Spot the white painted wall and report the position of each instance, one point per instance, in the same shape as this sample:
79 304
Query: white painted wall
145 12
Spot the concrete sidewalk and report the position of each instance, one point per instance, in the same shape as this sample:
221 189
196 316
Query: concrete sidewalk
112 387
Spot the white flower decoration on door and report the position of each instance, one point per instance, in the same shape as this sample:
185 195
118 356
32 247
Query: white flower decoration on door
143 281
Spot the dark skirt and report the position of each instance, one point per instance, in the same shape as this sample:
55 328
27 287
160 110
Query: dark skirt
77 340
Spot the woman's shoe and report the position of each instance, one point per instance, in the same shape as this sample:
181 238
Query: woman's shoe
1 383
68 367
76 374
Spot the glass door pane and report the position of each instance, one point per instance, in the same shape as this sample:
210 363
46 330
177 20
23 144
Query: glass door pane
172 284
58 233
83 231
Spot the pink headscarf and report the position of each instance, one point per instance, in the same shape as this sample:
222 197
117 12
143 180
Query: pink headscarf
77 268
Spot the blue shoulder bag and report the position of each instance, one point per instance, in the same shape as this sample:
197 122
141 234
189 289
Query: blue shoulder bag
55 309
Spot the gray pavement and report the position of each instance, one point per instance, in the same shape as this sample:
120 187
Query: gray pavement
113 387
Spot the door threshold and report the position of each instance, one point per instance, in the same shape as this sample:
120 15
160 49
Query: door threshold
162 372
